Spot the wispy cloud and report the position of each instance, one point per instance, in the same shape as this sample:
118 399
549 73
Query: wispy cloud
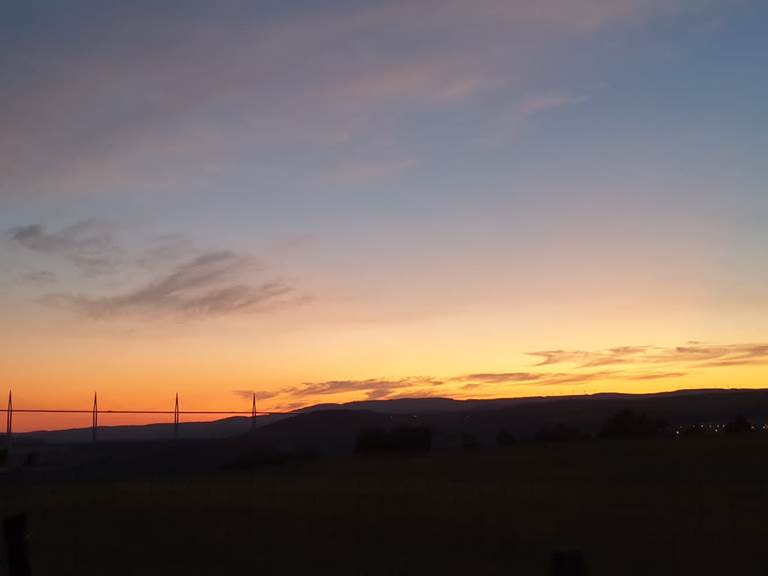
207 285
89 245
379 388
373 388
575 15
370 171
500 378
656 375
250 394
178 279
542 102
518 112
38 277
692 354
433 80
538 378
618 364
75 112
165 249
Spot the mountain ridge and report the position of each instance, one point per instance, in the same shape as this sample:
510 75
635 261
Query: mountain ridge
531 410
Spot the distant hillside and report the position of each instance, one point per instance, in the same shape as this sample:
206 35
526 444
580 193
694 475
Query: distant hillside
453 423
399 405
190 430
331 427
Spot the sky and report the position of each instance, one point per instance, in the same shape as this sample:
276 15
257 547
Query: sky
349 200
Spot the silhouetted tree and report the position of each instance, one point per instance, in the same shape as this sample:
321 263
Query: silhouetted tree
505 438
629 423
402 439
412 439
371 440
739 425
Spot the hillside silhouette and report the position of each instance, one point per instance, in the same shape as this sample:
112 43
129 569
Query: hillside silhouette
331 427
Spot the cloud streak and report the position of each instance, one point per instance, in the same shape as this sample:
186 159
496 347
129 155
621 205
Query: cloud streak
207 285
693 354
77 113
500 378
380 388
620 364
373 388
249 394
544 102
178 280
89 245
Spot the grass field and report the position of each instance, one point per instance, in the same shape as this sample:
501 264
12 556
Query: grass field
689 506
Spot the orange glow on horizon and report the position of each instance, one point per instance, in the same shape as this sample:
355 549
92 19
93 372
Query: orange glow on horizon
200 400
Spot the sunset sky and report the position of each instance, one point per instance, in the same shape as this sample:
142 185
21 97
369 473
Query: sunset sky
343 200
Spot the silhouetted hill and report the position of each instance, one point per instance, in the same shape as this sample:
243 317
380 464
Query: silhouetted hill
398 405
224 428
129 451
331 427
453 422
324 431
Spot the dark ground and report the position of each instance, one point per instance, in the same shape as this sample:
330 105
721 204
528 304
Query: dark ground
693 505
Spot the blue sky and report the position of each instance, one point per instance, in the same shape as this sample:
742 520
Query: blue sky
456 165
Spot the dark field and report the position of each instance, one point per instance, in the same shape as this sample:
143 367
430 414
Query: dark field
661 506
